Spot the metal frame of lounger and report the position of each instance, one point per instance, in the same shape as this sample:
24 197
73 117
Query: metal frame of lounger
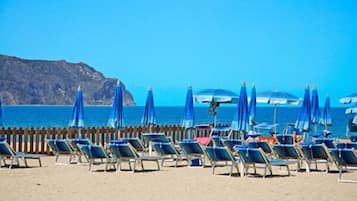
167 149
126 152
193 149
94 152
317 153
257 156
61 147
345 159
222 154
6 152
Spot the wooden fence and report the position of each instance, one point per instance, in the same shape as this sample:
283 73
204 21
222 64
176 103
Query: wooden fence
33 140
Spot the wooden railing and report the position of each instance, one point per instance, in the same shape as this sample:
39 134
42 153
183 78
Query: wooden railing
33 140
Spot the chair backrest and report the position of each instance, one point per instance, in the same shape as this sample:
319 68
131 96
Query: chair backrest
344 157
230 143
63 146
261 144
137 144
348 145
156 137
93 151
327 141
191 147
218 154
315 151
285 139
216 139
6 150
123 151
51 143
287 151
242 151
164 148
256 155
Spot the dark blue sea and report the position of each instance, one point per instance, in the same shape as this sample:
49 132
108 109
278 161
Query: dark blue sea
59 116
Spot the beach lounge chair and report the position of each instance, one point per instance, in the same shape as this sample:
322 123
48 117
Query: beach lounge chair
7 153
135 142
289 152
222 154
193 149
230 143
126 152
329 142
62 147
257 156
96 155
166 150
348 145
285 139
265 146
317 153
345 159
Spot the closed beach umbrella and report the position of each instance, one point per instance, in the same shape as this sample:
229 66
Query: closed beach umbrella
116 116
241 117
77 120
315 110
252 106
189 116
215 97
277 98
149 116
1 123
325 118
303 120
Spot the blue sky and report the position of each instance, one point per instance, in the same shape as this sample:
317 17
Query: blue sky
211 44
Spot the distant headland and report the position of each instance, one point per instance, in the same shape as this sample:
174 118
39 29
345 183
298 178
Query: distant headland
42 82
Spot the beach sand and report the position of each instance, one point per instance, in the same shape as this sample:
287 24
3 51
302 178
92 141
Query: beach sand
74 182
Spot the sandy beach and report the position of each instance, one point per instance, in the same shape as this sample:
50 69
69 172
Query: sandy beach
74 182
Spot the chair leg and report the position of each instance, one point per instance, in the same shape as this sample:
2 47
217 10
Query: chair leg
39 161
339 174
213 166
12 162
142 164
287 167
57 156
25 161
134 166
90 164
265 171
230 173
158 166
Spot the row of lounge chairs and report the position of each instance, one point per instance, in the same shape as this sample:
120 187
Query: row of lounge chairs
228 152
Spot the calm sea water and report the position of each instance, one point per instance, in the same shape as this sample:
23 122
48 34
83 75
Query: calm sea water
59 116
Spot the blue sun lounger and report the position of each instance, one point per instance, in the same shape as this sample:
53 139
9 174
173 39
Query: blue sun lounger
344 159
317 153
289 152
222 154
193 149
127 153
256 156
329 142
62 147
96 155
166 150
6 152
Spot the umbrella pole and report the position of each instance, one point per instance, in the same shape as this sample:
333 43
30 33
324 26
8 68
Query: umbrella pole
79 133
275 108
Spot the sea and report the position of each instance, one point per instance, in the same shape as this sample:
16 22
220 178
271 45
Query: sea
97 116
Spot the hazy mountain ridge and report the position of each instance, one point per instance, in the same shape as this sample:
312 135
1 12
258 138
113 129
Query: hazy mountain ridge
24 81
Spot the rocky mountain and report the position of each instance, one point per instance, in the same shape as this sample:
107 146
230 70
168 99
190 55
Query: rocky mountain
24 81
